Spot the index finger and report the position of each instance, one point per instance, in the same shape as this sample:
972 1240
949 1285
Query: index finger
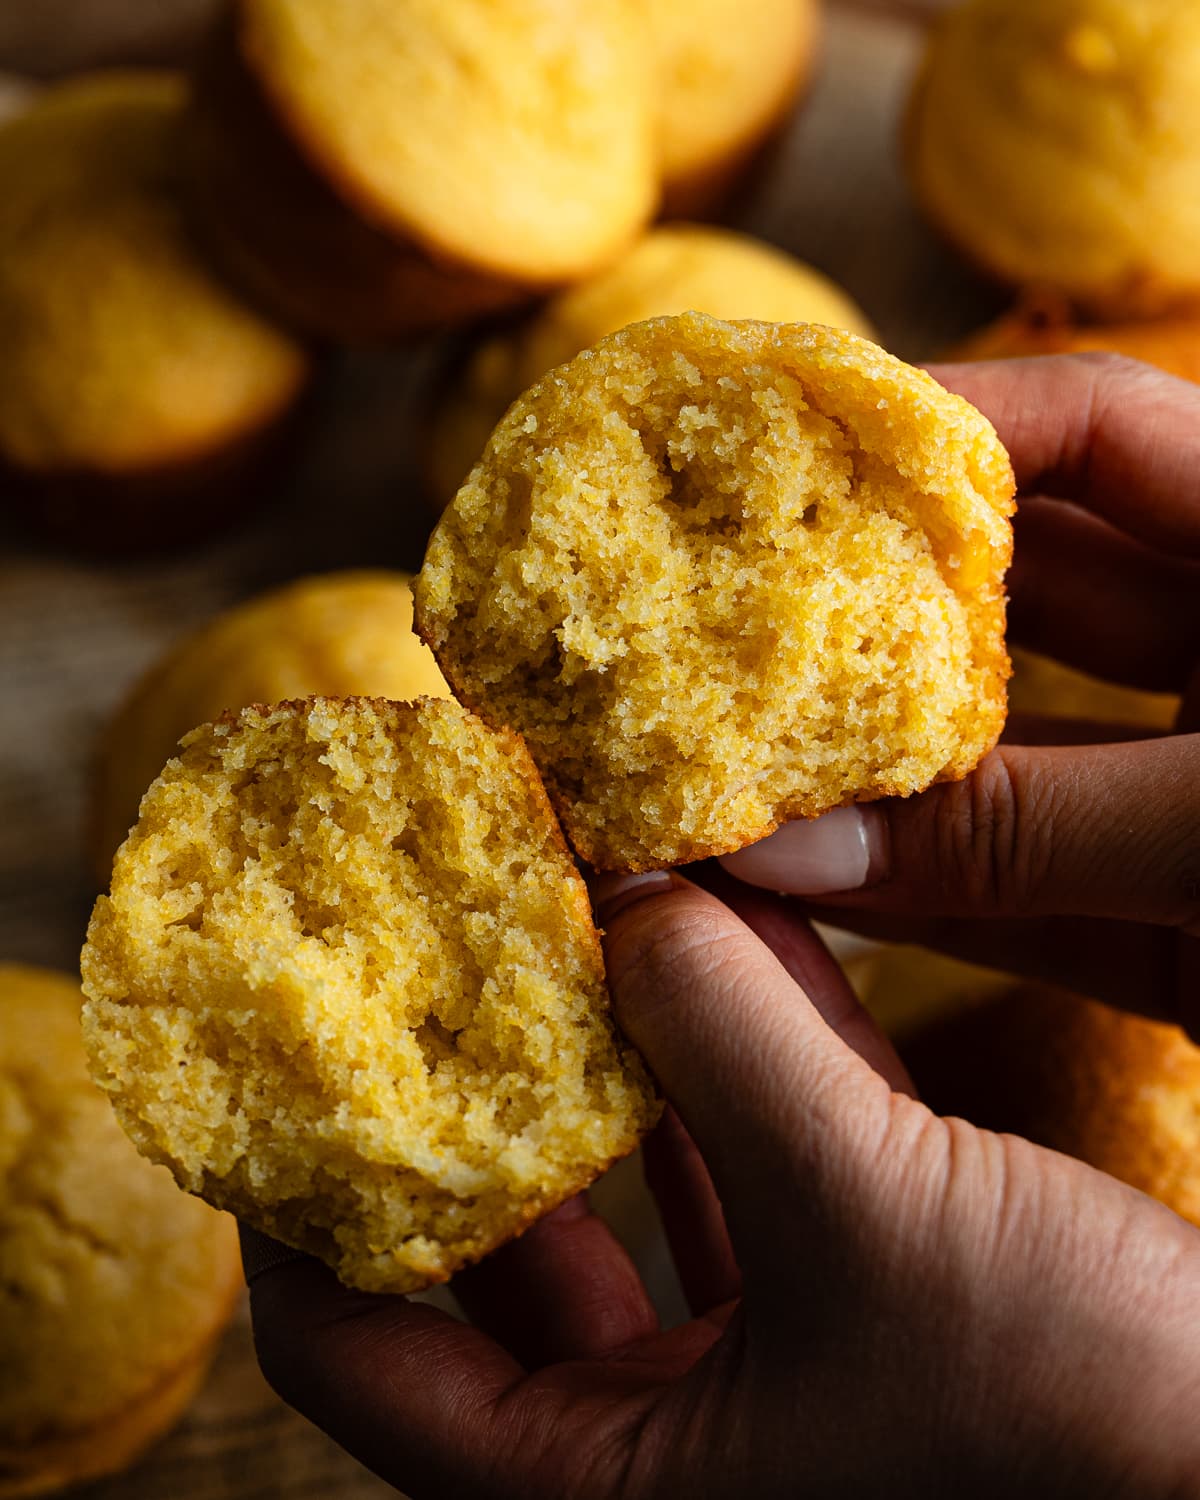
1115 436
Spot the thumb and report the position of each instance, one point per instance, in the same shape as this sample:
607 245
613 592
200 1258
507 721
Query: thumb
1097 831
780 1107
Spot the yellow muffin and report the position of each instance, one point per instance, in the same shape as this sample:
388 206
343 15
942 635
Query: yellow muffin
729 71
1117 1091
1057 142
1041 685
675 268
720 575
1173 344
341 635
907 988
136 391
114 1285
348 986
375 167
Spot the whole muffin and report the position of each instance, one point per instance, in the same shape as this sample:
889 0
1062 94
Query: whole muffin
1117 1091
341 635
374 168
729 72
1057 143
1171 343
347 985
720 575
140 399
114 1285
674 268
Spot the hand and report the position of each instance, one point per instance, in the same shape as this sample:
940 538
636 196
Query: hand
884 1302
1079 864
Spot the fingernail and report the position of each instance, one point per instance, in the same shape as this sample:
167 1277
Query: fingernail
844 850
613 893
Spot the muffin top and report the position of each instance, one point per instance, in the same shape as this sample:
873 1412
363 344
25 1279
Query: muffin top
122 350
724 574
1058 142
111 1279
514 134
1172 343
339 634
673 269
348 986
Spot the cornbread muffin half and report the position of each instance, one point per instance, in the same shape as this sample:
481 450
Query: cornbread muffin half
140 399
377 167
114 1285
348 986
1057 143
340 635
674 268
1171 343
1112 1089
721 575
729 73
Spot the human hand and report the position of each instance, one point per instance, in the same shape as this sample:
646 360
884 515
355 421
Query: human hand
884 1302
1075 863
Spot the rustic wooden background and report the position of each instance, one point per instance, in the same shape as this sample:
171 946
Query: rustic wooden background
74 633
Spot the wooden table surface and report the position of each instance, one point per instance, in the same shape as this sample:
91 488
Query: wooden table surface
74 633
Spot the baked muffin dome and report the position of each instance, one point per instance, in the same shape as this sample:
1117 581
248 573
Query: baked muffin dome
728 74
114 1285
340 635
376 167
1171 343
348 986
1057 143
131 375
1112 1089
674 268
720 575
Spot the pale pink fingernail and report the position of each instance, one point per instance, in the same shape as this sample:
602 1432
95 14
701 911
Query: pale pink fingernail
840 851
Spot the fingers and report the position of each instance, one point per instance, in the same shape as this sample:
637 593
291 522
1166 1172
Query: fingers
779 1107
565 1290
691 1216
1120 438
1089 596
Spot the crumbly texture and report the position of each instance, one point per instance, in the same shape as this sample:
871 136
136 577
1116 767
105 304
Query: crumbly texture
122 351
672 269
347 985
722 575
516 137
1115 1090
113 1284
339 635
1059 146
727 74
1171 343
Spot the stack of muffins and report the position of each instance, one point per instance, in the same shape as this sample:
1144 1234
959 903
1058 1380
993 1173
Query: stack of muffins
178 254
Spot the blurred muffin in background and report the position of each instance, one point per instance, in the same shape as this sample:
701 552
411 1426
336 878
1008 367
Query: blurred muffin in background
139 397
1057 143
1172 343
65 36
339 635
729 73
1040 685
375 168
674 268
1112 1089
114 1284
906 988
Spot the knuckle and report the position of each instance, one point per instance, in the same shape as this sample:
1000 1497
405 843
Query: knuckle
995 838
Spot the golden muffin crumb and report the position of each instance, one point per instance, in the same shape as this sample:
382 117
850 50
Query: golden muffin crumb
673 269
347 985
1057 145
722 575
339 635
114 1285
